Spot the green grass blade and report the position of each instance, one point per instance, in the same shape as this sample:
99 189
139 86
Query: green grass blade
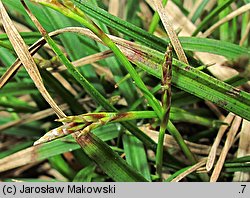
153 102
109 161
211 15
52 82
69 42
241 159
16 105
136 155
170 178
245 21
85 175
199 84
17 6
116 70
223 48
96 95
199 10
28 37
224 29
62 166
155 19
7 58
122 26
138 34
20 88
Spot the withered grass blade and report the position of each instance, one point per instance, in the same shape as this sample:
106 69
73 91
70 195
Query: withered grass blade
23 53
211 157
190 170
230 139
171 33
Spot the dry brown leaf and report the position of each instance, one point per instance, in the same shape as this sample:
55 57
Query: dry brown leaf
230 139
210 5
26 59
36 116
46 168
86 60
104 71
171 32
222 130
17 172
194 9
57 175
188 5
213 151
65 83
31 117
243 150
18 159
246 34
114 7
180 21
37 45
145 14
17 64
30 155
227 18
124 45
214 108
169 142
190 170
